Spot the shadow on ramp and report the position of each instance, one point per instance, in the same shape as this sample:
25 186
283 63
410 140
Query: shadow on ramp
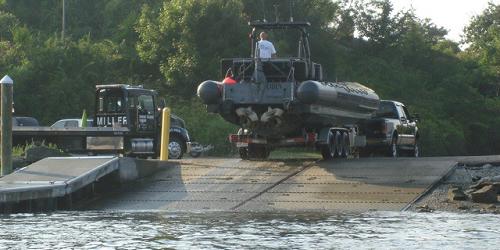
161 185
354 185
196 185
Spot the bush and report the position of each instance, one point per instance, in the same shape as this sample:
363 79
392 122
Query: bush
203 127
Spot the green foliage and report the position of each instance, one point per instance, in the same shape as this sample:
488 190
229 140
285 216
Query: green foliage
21 150
18 151
187 38
59 76
7 23
483 37
205 128
84 118
173 45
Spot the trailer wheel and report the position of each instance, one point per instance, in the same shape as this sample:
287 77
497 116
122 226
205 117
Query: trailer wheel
338 144
346 145
258 151
243 153
328 150
175 147
364 152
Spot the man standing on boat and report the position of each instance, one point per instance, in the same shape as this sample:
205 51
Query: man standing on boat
266 49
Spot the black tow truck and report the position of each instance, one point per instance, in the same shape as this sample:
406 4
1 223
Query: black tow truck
127 121
392 131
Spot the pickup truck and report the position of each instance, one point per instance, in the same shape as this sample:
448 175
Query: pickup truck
392 132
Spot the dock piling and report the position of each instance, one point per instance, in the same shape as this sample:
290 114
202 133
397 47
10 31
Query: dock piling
6 126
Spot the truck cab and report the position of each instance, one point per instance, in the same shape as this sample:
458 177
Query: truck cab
139 110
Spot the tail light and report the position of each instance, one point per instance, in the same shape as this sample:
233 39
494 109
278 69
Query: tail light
233 138
384 128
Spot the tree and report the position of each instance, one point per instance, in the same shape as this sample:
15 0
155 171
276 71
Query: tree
7 22
186 39
375 22
173 45
483 38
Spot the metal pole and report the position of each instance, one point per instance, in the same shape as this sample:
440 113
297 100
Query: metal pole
6 126
165 134
63 18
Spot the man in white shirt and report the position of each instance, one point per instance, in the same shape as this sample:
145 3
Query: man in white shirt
266 48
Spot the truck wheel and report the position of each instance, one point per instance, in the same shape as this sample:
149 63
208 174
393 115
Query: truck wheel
175 147
393 149
416 150
346 145
328 150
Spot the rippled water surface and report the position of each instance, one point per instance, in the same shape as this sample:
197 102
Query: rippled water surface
91 230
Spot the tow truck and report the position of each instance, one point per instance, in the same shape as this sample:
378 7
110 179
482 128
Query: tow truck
127 121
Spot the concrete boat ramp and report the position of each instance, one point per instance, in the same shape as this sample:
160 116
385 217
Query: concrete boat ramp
214 184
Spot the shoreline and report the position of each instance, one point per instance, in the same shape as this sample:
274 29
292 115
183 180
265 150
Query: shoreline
453 193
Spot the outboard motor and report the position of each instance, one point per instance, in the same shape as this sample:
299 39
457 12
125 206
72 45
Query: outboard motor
248 117
272 117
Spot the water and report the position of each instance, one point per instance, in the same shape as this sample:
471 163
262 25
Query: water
386 230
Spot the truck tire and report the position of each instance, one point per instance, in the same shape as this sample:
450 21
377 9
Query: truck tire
393 148
416 150
176 147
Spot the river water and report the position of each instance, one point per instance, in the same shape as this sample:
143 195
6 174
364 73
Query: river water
118 230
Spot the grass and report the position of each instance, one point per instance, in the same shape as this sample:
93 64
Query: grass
19 151
295 153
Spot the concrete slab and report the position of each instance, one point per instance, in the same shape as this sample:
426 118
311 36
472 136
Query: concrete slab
353 185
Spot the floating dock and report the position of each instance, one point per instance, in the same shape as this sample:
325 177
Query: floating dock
59 182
